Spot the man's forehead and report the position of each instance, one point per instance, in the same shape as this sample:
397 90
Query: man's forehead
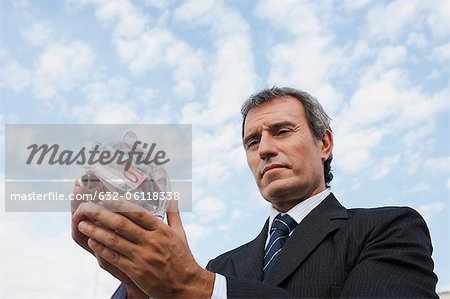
274 113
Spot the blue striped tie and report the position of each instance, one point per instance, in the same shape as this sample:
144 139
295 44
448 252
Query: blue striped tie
282 226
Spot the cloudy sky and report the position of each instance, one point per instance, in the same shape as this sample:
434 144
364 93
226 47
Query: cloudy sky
378 68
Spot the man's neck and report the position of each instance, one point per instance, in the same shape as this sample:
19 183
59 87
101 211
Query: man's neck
285 206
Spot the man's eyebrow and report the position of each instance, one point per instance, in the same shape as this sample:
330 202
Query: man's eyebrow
281 124
248 137
272 127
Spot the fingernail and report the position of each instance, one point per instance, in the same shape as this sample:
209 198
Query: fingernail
92 243
82 226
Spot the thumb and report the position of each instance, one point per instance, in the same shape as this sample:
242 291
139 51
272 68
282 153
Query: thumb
77 189
174 221
173 216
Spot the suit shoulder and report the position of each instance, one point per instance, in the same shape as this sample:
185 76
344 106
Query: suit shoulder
382 213
387 219
224 257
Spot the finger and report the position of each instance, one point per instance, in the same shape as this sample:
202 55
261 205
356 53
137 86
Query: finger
114 221
173 215
111 256
108 238
134 212
77 191
77 236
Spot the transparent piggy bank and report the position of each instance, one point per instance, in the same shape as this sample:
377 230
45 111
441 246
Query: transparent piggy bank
143 184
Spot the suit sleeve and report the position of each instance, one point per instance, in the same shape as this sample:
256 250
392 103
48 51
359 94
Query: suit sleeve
243 288
120 293
395 261
246 288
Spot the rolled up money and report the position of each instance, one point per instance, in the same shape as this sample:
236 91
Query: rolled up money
143 184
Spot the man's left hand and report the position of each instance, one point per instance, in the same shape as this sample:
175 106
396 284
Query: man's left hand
156 256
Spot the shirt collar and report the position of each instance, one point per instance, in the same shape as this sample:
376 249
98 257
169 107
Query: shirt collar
302 209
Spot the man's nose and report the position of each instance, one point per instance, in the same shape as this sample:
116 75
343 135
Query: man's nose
267 147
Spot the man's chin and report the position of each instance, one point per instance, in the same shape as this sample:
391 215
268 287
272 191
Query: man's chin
280 193
273 194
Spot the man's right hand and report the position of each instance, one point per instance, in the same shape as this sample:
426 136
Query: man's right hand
133 291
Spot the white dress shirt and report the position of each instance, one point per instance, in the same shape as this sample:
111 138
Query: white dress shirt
298 213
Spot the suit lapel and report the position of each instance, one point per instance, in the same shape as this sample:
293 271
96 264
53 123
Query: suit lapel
306 237
249 260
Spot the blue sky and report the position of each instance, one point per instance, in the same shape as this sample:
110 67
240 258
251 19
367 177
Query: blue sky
380 68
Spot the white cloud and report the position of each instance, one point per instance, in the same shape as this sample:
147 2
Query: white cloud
196 231
438 17
390 20
394 19
45 258
210 208
422 186
61 67
387 58
416 141
309 59
237 158
417 40
159 48
435 74
211 171
353 148
441 53
14 76
145 47
257 199
161 4
430 211
421 108
38 34
356 184
116 114
21 4
232 70
442 289
111 90
384 106
437 165
298 17
217 153
386 166
232 78
376 101
115 101
355 4
239 214
448 184
128 20
143 95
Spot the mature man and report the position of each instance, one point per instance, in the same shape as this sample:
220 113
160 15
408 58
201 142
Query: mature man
314 247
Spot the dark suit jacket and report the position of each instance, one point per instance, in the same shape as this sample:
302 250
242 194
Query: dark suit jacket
335 252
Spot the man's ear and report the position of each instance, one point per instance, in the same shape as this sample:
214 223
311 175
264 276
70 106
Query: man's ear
327 145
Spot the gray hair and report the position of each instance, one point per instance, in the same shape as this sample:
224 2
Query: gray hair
317 118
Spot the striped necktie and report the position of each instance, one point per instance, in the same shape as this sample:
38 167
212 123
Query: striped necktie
282 226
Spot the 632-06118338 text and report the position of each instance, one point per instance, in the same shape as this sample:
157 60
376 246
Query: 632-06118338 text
58 196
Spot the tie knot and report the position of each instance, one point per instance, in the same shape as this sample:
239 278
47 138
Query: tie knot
283 222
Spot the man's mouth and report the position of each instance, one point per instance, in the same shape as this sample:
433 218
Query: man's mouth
271 166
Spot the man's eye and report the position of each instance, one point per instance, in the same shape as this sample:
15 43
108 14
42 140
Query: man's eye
252 143
283 131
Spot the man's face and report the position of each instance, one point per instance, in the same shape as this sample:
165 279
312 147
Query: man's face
284 157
